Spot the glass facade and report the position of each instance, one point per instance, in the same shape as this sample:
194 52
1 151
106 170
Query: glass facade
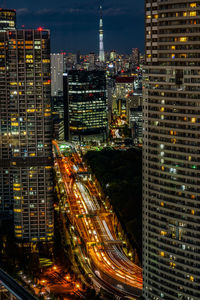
26 132
85 101
171 155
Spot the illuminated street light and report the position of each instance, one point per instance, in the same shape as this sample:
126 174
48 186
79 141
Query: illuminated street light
77 285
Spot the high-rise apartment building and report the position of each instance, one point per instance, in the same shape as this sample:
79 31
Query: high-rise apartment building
171 155
25 133
7 19
85 105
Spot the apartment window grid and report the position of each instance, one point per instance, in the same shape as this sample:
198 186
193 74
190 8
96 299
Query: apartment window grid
26 132
171 168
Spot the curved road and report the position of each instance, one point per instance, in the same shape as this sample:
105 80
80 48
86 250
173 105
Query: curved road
109 260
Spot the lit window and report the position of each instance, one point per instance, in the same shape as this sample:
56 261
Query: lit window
183 55
193 120
163 232
193 13
183 39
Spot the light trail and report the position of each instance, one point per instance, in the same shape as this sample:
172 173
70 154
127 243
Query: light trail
110 260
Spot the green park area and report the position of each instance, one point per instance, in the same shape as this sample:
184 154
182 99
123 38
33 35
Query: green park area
120 176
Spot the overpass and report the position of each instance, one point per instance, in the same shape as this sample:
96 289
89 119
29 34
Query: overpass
14 289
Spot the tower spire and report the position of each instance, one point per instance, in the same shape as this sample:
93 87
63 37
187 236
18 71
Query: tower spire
101 46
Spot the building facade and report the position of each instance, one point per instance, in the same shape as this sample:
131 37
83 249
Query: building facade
25 133
136 56
57 70
85 101
171 155
7 19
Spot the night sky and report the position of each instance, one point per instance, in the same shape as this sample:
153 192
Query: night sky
74 23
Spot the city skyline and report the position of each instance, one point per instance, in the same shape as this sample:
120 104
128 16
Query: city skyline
75 24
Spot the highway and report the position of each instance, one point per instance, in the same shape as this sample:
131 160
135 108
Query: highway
111 267
14 288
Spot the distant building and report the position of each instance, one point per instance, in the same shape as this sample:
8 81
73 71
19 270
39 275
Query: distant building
113 55
26 187
85 104
57 70
91 61
123 88
135 117
136 56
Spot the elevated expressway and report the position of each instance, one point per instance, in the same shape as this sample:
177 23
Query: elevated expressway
10 289
110 267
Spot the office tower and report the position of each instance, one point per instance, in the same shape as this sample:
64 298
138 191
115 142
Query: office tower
57 69
101 45
91 61
85 105
113 55
171 154
7 19
25 133
136 56
123 88
135 116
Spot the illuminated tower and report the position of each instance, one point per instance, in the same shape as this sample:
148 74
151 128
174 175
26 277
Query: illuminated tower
171 152
26 187
101 47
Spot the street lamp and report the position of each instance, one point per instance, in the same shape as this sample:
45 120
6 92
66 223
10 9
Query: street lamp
78 286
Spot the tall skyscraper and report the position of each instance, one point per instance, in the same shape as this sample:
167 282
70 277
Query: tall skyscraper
25 133
171 155
101 45
7 19
85 105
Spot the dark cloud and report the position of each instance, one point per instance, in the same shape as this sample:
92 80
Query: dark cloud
74 24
